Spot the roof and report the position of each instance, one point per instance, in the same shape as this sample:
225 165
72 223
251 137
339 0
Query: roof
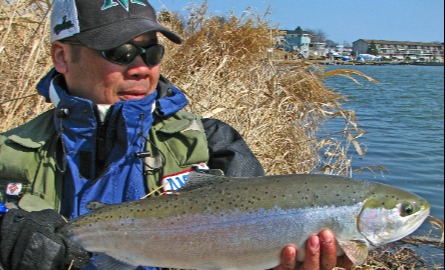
295 32
411 43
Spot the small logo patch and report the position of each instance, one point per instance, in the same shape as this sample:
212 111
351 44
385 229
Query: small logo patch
174 182
201 167
123 3
65 25
14 189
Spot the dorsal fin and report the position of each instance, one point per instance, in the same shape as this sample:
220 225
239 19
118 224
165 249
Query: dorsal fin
94 205
197 180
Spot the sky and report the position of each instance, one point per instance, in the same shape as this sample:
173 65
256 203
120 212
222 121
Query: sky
341 20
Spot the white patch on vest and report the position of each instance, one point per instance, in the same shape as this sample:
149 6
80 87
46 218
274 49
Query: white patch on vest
193 126
14 189
174 182
201 167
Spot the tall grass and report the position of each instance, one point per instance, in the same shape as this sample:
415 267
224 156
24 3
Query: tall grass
226 69
23 59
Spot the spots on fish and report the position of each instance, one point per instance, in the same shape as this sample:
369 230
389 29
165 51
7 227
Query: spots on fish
221 199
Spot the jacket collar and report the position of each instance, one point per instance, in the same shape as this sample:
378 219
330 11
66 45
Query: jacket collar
37 132
168 94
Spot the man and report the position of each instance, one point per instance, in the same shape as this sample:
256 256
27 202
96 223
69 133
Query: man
117 132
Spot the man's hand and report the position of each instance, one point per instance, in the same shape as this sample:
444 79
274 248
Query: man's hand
28 240
321 253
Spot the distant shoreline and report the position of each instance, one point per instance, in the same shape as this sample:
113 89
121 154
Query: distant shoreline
355 63
374 63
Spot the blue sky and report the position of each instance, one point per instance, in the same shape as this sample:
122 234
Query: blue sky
341 20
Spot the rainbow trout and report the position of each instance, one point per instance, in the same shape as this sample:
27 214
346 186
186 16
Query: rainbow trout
243 223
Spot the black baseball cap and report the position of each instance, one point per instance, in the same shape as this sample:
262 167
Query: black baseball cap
105 24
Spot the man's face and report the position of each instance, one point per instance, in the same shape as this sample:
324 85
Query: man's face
93 77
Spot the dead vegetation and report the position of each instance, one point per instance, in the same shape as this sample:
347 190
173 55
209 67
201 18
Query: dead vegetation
228 71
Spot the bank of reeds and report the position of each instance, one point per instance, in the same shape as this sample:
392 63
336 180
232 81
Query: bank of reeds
227 70
224 67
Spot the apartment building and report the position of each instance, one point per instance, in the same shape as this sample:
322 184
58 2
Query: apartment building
402 50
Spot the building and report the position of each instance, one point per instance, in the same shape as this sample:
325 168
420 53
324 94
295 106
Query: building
401 50
295 41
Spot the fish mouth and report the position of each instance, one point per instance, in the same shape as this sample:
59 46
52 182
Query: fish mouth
418 219
412 224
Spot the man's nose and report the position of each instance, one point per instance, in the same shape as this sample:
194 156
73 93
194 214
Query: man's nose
138 69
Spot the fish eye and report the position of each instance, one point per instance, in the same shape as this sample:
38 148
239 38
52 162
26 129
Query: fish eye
407 209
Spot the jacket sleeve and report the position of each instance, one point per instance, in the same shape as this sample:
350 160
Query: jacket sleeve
229 152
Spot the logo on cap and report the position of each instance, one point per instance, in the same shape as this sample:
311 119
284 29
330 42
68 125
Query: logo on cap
124 3
65 25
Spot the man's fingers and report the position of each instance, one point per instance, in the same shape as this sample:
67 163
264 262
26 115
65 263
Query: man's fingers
329 258
328 250
320 253
312 260
288 258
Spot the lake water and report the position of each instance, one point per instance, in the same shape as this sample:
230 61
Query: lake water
404 120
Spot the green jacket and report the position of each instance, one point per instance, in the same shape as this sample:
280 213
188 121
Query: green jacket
30 155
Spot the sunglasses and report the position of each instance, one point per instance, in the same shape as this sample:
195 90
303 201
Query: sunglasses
127 53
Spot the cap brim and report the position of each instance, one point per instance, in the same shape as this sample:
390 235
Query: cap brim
113 35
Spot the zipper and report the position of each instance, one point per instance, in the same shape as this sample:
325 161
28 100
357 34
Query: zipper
101 141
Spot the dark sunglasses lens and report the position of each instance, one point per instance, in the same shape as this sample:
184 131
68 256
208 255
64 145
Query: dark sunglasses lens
123 55
154 55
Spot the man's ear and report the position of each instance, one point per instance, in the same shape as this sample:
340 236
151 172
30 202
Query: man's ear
60 56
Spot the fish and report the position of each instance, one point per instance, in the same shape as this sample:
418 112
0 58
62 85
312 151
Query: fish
229 223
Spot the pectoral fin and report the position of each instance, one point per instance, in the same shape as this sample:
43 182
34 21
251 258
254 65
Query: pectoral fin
356 250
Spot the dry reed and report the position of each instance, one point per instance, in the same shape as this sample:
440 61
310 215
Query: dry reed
227 70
